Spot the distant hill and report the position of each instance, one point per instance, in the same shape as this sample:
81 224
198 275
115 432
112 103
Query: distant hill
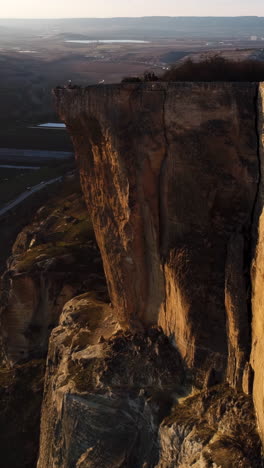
145 27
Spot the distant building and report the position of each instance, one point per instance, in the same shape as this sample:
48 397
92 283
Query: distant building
253 38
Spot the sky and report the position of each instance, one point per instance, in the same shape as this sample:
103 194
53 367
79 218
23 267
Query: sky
113 8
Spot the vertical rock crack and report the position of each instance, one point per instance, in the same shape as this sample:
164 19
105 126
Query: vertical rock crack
163 228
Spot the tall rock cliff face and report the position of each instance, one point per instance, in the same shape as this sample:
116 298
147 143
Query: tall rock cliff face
172 178
170 173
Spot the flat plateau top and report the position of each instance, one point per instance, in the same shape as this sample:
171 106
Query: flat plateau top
156 85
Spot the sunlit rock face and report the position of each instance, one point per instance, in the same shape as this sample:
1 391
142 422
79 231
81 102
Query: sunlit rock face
170 174
116 399
257 277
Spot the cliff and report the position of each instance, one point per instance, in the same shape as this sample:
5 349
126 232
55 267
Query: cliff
172 177
170 173
162 376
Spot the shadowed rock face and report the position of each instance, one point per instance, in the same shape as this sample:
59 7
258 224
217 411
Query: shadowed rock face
170 173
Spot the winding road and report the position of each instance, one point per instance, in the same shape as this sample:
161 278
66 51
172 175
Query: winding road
12 204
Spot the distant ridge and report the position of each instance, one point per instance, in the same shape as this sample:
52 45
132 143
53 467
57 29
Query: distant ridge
145 27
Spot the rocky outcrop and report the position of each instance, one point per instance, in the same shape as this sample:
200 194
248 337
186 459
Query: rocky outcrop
54 259
170 174
102 399
215 428
117 399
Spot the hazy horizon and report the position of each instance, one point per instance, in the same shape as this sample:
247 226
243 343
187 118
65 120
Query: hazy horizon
62 9
124 17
